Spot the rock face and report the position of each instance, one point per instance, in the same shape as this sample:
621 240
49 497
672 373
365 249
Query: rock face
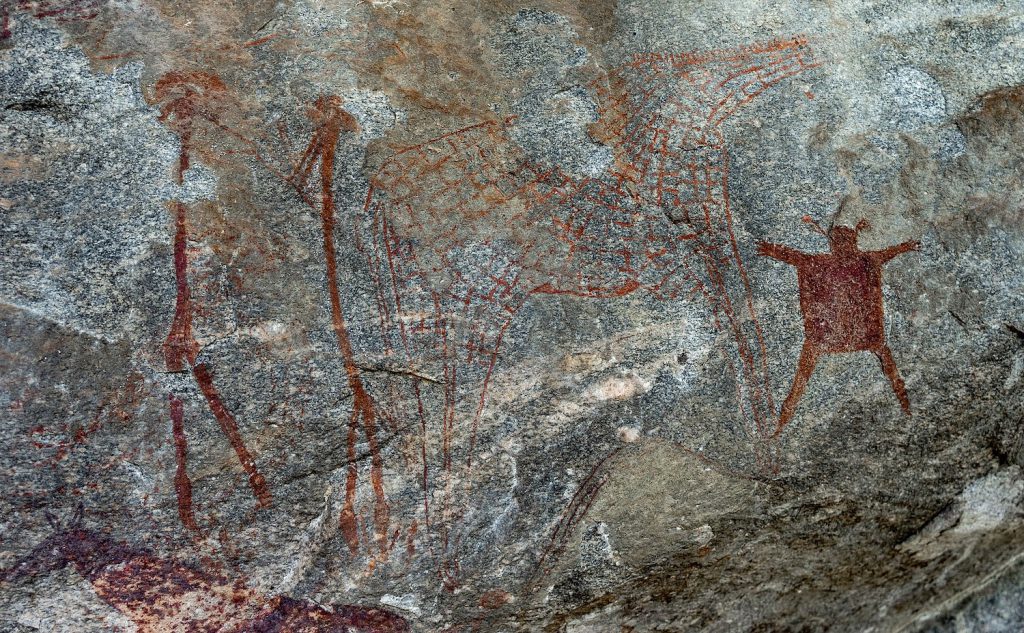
438 315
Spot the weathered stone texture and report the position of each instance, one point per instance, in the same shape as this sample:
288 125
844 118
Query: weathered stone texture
439 315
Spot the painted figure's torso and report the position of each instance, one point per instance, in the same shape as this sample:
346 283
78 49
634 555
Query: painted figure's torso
841 298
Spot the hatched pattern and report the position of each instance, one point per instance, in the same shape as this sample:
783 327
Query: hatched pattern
461 230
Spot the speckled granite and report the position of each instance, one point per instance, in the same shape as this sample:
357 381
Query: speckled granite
427 315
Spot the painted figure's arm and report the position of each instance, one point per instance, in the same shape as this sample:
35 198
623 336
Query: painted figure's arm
886 254
781 253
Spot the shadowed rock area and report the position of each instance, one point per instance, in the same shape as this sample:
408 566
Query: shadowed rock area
388 316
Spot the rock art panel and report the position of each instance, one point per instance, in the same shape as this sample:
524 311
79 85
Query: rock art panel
659 221
437 315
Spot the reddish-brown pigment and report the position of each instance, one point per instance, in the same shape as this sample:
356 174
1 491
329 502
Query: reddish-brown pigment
61 10
182 483
186 98
841 301
659 221
164 594
330 119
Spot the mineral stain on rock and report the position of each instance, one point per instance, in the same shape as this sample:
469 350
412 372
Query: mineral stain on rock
162 594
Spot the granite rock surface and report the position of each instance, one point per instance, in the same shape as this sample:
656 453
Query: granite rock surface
439 315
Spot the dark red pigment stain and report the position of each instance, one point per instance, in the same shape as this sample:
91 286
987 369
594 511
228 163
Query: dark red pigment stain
841 301
180 347
186 97
197 95
230 428
329 120
577 509
182 483
75 438
283 615
64 438
161 594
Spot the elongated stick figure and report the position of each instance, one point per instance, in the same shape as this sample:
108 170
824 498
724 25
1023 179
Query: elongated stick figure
329 120
185 98
841 300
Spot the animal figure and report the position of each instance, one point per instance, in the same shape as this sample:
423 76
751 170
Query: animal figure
164 595
841 300
462 230
459 232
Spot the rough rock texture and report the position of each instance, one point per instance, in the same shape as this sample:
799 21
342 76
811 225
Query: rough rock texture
440 315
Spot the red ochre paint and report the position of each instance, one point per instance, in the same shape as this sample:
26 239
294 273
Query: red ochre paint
841 302
160 594
611 234
330 119
182 483
697 257
186 97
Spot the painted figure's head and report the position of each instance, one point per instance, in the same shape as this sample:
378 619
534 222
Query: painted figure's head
841 239
187 95
328 111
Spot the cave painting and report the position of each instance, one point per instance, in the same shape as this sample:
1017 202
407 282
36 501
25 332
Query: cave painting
163 595
186 99
841 301
195 102
461 230
329 121
59 10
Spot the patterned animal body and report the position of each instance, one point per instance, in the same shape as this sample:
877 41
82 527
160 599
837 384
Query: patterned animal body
461 230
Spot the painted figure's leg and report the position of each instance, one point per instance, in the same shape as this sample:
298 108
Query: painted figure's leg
805 367
182 483
884 354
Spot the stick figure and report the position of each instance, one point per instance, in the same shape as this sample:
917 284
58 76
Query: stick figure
190 99
329 120
841 300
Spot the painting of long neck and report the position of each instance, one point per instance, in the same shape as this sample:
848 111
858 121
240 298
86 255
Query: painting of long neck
662 116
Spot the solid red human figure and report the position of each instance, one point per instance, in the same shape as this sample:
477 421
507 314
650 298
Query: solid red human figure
841 300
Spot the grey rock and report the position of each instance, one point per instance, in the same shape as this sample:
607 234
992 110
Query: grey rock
432 315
